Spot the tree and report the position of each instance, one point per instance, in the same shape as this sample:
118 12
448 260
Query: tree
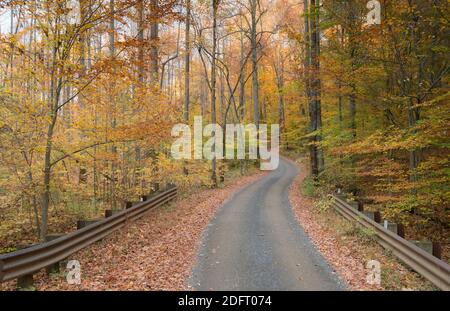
187 61
312 42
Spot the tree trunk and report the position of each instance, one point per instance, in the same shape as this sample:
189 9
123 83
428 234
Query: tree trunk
279 75
215 4
47 177
255 84
414 160
154 28
339 82
242 80
352 106
317 161
53 115
112 52
187 61
141 70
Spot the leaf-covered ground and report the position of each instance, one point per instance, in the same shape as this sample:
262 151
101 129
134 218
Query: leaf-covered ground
156 252
348 248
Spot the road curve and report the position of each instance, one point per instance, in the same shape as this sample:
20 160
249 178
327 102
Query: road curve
255 243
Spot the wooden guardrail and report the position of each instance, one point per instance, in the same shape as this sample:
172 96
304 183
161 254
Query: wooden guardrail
32 259
430 267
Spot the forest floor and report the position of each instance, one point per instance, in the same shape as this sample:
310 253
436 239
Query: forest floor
345 245
156 252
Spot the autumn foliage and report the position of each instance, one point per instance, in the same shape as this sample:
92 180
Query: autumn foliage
89 92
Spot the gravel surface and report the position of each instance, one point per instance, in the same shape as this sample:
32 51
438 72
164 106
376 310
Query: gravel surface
255 243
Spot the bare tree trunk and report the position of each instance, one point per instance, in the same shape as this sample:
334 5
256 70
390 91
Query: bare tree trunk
307 79
414 108
82 40
154 28
47 175
137 177
112 52
413 118
203 97
32 49
352 109
222 93
55 89
255 83
215 4
242 80
279 76
187 61
316 155
11 57
340 116
339 83
352 56
241 110
141 80
140 36
187 69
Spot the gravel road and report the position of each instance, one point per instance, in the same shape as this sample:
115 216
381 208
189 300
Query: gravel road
255 243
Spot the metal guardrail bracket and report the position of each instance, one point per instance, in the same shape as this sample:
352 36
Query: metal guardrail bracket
2 274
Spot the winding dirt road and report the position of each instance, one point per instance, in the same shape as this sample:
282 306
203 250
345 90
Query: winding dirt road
255 243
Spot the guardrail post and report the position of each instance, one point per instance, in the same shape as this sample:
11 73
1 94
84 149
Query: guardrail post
360 206
401 230
437 250
26 281
53 268
377 217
